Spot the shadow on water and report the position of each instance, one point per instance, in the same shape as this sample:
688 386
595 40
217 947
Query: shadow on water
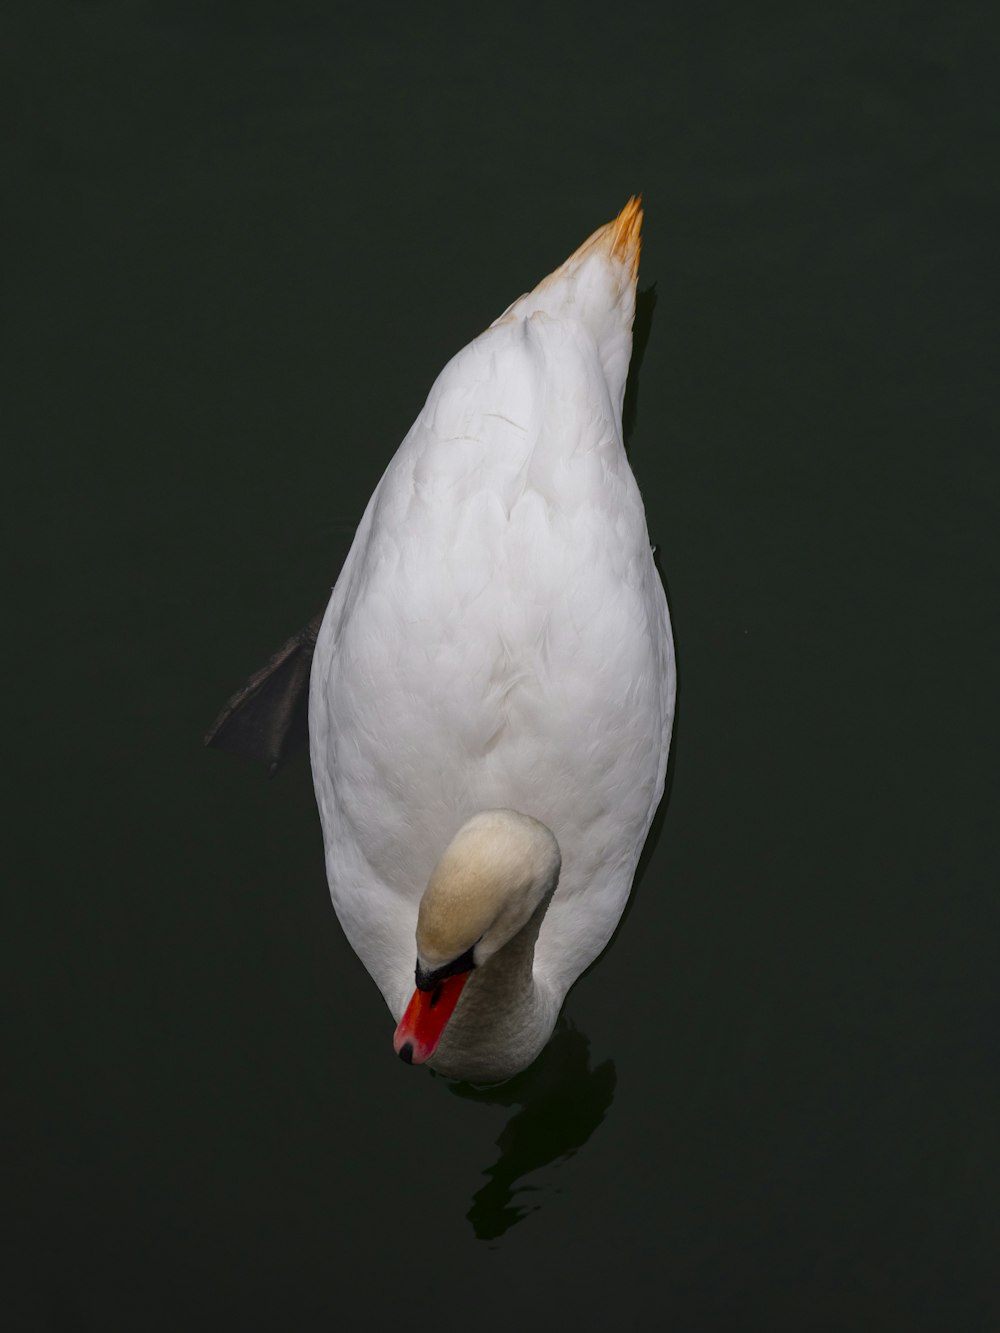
642 327
562 1102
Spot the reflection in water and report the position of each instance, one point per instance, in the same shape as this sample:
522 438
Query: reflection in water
562 1102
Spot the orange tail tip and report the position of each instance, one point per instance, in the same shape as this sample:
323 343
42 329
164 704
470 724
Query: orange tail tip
617 245
620 238
626 231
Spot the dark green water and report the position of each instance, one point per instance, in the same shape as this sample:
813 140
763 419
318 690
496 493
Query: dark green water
247 236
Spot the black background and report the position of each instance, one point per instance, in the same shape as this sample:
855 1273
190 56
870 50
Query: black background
246 238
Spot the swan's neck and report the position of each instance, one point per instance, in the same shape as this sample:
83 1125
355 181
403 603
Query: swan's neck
506 1013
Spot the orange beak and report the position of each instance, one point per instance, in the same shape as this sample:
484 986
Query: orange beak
420 1028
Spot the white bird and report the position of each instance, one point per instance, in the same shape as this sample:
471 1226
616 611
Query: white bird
493 684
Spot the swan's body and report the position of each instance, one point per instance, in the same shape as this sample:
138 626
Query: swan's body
499 641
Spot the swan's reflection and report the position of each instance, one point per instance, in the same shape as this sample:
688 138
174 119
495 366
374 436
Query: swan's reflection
562 1102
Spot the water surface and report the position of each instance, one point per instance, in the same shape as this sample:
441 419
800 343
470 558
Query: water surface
248 237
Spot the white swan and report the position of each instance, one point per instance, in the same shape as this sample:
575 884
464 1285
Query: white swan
493 685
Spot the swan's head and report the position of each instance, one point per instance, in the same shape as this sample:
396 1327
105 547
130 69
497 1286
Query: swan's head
496 872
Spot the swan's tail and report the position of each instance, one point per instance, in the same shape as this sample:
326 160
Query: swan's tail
620 239
596 285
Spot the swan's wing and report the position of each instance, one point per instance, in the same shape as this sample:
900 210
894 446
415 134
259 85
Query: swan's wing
267 718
